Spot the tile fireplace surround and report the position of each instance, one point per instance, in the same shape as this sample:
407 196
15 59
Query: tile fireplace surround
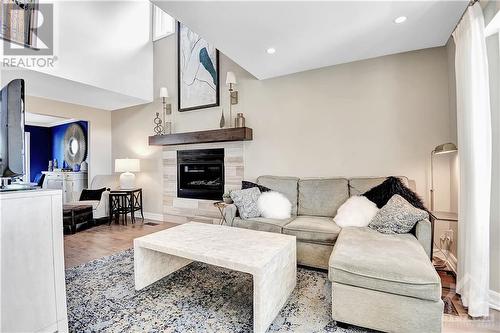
181 210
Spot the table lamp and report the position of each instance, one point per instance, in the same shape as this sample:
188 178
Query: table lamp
444 148
127 166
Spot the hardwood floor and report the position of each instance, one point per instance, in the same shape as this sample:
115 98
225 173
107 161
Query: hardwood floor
104 240
462 322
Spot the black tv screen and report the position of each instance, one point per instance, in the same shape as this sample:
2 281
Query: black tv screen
12 129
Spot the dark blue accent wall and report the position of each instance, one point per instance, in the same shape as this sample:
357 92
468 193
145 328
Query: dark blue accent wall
40 149
58 140
46 143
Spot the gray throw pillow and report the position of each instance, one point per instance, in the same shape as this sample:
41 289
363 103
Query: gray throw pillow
246 201
398 216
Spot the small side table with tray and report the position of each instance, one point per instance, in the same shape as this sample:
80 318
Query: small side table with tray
221 205
440 216
125 201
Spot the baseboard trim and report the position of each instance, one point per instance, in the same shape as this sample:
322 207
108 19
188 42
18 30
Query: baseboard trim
494 300
150 216
452 262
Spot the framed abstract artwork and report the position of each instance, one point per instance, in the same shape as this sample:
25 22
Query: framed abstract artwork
198 71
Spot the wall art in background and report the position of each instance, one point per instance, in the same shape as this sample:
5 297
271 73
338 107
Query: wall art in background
198 71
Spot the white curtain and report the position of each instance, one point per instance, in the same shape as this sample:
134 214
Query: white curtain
474 141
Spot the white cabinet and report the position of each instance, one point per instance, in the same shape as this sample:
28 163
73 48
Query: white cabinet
71 183
33 290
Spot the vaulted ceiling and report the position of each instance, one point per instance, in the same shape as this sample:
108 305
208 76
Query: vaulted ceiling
102 56
313 34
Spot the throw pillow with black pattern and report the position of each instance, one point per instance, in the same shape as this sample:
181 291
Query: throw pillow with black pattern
398 216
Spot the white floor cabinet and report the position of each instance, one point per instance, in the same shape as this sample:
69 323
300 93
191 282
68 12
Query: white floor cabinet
33 291
71 183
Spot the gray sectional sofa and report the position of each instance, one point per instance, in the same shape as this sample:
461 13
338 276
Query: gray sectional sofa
384 282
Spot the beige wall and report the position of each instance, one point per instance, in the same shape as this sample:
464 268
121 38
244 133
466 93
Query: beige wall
99 157
451 159
131 128
376 117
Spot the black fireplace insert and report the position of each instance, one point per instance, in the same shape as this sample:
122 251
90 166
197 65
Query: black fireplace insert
200 174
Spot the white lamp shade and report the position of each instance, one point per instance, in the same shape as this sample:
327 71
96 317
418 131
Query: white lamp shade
163 92
230 78
127 165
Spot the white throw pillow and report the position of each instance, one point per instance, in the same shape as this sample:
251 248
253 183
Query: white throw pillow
357 211
274 205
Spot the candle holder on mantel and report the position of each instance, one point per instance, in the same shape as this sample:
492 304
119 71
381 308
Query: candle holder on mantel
239 120
233 95
167 128
158 129
167 110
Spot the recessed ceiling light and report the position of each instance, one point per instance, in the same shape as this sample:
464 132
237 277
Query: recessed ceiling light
271 50
400 19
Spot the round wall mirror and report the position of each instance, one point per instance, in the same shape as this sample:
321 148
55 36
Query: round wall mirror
75 145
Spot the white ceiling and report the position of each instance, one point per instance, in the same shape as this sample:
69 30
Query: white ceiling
308 35
42 120
103 56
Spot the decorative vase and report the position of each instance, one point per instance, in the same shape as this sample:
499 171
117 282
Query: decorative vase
168 128
240 120
84 166
222 120
227 200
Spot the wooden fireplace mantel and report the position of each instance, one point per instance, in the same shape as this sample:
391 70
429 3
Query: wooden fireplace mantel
220 135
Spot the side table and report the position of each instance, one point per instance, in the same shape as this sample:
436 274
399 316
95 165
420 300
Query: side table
221 205
124 201
117 204
440 216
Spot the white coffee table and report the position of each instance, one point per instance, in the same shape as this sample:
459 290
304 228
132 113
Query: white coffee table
269 257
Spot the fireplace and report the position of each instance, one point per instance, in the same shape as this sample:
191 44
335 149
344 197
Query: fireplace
200 174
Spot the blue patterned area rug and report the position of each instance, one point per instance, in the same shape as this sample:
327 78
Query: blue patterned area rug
197 298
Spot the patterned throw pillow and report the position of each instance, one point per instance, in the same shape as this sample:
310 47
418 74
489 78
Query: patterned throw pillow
398 216
246 202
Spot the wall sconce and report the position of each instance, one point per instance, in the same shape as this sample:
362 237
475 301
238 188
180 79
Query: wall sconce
233 95
167 110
